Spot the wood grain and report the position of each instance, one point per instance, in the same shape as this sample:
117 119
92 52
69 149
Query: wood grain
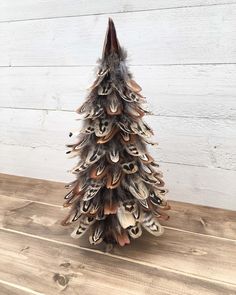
30 9
16 192
182 36
77 269
8 289
30 189
183 217
150 265
203 220
73 269
188 253
196 250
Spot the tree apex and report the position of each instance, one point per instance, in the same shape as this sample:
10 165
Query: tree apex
111 43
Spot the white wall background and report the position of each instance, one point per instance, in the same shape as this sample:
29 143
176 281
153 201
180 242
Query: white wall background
183 54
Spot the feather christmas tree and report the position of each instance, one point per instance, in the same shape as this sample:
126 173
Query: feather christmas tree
118 190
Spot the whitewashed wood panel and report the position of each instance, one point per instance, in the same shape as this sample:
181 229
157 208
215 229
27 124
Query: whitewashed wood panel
223 152
191 90
4 44
199 185
36 128
41 162
44 87
171 36
200 142
181 140
29 9
182 57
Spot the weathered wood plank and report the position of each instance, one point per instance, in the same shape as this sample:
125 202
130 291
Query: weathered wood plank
191 90
50 268
203 220
31 189
193 218
7 289
28 9
191 184
61 267
190 141
203 256
174 36
184 216
167 251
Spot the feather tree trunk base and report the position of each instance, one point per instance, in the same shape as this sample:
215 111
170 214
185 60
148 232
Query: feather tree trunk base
118 191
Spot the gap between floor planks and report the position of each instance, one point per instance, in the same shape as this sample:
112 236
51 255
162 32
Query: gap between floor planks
121 257
183 216
127 277
30 202
8 288
165 226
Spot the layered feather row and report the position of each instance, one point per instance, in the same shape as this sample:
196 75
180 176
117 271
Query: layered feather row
118 190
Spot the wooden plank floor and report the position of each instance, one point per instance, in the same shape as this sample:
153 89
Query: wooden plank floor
196 255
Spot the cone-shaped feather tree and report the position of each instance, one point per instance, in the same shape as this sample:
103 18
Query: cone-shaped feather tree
118 190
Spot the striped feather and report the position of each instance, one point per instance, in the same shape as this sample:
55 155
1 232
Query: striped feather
127 137
141 128
130 205
151 224
135 231
85 206
114 154
95 111
113 105
136 187
118 191
103 71
133 85
98 232
83 225
114 178
103 126
108 137
130 167
134 111
92 190
104 88
99 171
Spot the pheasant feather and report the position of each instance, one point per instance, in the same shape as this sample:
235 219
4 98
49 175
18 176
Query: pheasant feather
118 190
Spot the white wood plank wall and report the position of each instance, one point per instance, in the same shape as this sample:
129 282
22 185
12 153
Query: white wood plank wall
183 54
